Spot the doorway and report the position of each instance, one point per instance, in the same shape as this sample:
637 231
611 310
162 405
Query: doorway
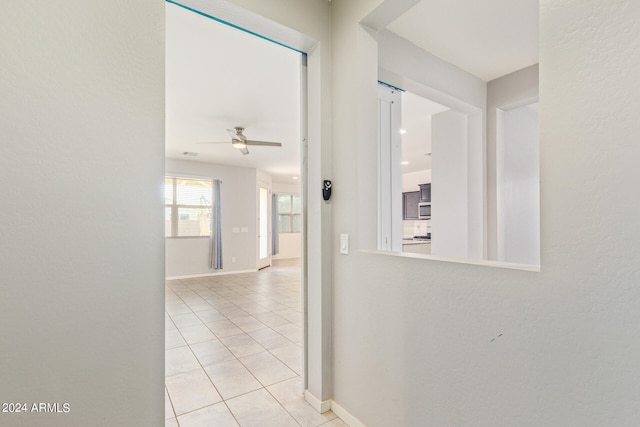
248 227
264 227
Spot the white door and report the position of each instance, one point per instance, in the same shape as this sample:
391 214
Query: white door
264 228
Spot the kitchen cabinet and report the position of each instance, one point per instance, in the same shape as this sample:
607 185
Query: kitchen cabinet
410 202
425 192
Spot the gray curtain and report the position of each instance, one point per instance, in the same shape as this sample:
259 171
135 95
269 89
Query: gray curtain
275 237
215 241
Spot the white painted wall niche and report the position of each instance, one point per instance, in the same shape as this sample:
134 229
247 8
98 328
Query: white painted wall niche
518 185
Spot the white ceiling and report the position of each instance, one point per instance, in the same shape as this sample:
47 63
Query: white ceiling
218 77
488 38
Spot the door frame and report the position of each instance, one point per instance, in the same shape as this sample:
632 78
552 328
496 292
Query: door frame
263 262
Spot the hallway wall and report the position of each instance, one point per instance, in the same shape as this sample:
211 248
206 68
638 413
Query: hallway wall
425 342
81 246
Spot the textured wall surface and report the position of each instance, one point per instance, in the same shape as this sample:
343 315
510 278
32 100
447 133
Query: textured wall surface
81 246
420 342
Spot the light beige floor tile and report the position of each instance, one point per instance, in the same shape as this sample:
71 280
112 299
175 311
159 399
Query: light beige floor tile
233 312
184 320
238 300
336 422
271 320
171 422
242 345
178 360
173 339
253 308
267 368
289 302
289 314
268 338
224 328
290 354
260 409
272 305
175 309
217 415
219 303
247 300
210 315
289 394
291 332
191 390
197 334
168 324
248 323
168 409
211 352
202 305
232 379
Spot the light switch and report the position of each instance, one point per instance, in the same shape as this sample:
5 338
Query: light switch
235 229
244 229
344 244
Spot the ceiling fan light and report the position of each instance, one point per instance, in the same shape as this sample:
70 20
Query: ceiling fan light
236 143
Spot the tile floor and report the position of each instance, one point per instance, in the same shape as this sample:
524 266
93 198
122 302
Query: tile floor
233 351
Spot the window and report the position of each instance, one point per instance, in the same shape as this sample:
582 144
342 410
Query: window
187 207
289 213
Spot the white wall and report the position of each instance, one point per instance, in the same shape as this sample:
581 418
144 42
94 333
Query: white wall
458 344
412 180
449 185
409 67
285 188
462 344
289 246
81 258
507 92
518 186
189 256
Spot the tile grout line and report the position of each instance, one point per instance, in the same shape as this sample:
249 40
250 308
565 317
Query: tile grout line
190 288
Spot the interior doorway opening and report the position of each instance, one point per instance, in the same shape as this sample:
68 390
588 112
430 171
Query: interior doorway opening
264 227
240 302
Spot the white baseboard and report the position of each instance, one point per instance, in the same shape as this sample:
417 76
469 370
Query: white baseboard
323 406
345 416
221 273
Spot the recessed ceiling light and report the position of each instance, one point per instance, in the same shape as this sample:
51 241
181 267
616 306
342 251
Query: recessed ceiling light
189 153
404 163
403 131
294 177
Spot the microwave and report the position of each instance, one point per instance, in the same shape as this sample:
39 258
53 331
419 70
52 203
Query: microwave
424 210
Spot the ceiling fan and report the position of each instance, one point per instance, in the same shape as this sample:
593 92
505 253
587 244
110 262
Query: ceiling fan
240 141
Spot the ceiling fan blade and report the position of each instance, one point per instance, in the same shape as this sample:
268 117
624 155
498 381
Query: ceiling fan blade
244 151
212 142
232 134
236 135
264 143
